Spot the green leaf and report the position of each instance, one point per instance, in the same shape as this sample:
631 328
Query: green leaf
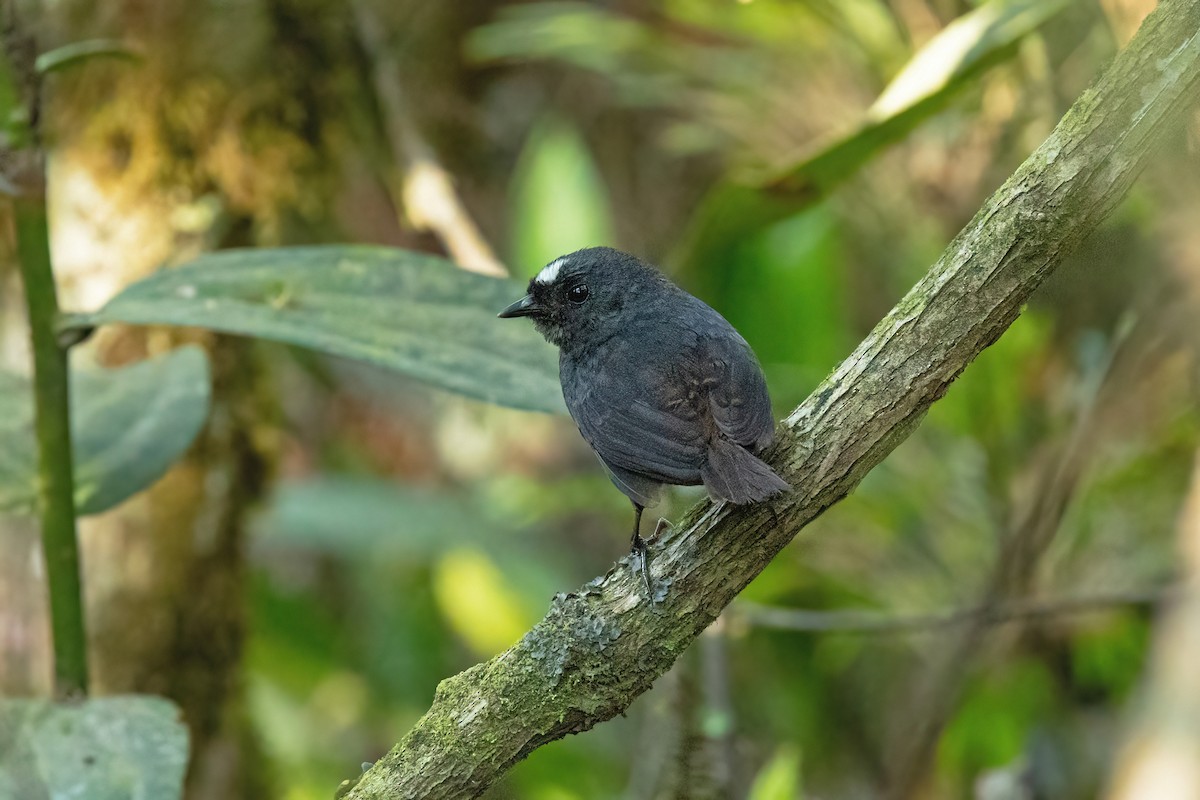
405 311
115 748
559 199
779 779
964 48
480 600
997 715
70 55
128 425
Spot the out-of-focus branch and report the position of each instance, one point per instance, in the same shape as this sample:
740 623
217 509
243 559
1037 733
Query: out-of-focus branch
1161 757
427 191
868 622
936 688
599 648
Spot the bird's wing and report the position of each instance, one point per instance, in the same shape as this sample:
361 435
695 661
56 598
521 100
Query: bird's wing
627 427
737 391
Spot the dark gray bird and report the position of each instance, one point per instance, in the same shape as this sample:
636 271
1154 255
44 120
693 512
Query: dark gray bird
661 385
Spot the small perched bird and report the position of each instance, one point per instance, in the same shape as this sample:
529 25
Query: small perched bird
661 385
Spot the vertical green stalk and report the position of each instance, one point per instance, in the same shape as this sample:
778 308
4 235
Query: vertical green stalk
56 482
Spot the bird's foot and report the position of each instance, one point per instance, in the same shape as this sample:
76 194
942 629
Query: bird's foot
641 562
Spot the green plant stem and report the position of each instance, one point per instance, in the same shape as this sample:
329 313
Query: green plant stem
56 483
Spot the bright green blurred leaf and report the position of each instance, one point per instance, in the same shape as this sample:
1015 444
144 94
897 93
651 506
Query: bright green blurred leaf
560 202
1111 657
963 49
405 311
784 291
75 53
129 426
993 722
960 49
478 601
779 779
113 748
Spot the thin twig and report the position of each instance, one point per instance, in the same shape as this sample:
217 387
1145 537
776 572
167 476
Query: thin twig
871 622
427 192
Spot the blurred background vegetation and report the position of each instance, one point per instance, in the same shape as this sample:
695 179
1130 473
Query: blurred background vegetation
339 539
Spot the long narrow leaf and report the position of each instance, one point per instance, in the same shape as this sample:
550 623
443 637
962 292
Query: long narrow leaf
404 311
76 53
963 49
945 65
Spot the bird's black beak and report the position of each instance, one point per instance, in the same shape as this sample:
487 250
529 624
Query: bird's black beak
525 307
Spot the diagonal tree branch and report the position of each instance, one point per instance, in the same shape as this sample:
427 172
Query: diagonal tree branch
597 650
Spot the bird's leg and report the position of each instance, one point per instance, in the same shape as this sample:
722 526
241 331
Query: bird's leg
638 549
663 524
635 541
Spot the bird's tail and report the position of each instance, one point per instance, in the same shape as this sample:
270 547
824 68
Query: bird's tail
735 474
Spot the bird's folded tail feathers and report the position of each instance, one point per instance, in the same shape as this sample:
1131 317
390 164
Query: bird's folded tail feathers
733 473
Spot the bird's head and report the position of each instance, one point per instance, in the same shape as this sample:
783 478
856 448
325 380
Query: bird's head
586 296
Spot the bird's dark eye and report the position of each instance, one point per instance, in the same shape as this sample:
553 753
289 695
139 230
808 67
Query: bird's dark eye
578 293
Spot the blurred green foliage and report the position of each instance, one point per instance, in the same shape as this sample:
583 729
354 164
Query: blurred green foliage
946 64
559 202
129 426
779 778
411 534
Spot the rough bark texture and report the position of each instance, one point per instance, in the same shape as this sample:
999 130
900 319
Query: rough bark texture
598 649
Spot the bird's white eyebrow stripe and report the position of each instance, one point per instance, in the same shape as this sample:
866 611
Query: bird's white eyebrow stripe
550 272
